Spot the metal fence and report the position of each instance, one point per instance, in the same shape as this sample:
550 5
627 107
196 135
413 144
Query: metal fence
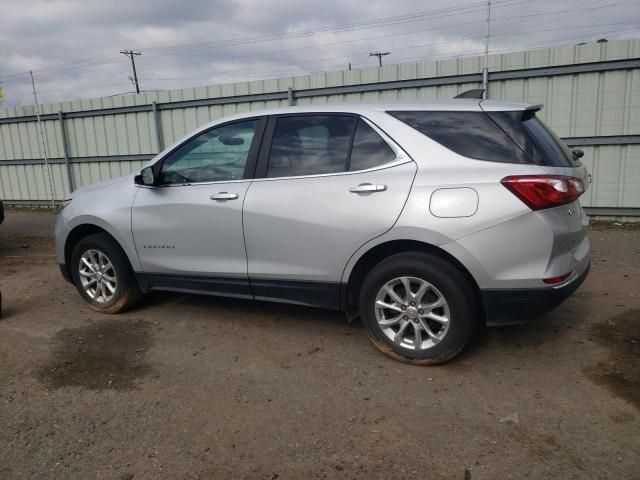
591 95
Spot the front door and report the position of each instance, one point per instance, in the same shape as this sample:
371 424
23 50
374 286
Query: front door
188 229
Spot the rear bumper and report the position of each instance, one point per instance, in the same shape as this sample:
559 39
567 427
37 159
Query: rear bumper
516 306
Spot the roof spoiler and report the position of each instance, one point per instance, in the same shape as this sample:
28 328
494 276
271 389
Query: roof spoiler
475 93
529 112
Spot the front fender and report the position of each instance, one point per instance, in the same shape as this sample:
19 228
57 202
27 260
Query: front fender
123 237
106 206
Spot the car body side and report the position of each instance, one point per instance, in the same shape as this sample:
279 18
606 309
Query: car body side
501 245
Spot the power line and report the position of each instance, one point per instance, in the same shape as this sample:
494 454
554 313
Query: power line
388 21
466 8
322 45
441 13
475 53
98 60
374 23
325 44
243 71
262 72
108 58
467 54
521 47
451 11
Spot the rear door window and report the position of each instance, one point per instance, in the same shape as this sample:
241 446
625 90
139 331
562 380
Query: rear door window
310 145
369 149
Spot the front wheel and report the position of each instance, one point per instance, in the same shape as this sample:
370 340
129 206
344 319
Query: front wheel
102 274
418 308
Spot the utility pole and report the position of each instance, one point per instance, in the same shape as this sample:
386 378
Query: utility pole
44 143
379 55
485 70
131 54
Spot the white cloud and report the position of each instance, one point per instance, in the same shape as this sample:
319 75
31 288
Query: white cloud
73 45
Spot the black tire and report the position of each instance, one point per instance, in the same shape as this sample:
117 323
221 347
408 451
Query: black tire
127 292
447 279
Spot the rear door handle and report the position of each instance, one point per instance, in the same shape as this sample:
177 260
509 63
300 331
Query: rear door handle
368 188
224 196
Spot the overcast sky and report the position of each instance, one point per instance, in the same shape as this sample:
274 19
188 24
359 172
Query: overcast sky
72 45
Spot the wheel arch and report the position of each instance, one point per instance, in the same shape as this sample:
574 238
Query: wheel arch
79 232
377 253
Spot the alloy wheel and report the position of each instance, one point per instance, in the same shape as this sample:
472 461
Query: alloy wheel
97 275
412 313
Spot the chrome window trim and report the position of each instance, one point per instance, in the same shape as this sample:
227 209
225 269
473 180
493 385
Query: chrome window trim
219 182
398 161
395 163
402 157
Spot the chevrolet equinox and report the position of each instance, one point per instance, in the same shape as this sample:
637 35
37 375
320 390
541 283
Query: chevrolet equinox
426 219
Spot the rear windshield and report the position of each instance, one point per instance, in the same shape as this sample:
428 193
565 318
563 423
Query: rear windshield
507 137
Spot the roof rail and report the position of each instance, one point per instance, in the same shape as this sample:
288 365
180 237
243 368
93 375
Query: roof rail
475 93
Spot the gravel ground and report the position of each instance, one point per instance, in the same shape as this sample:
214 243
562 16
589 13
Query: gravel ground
188 387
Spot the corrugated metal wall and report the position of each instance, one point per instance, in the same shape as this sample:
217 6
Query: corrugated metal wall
113 136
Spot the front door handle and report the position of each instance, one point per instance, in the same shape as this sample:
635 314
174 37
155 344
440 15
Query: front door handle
224 196
368 188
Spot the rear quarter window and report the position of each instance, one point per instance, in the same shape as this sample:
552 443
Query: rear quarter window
536 138
472 134
508 136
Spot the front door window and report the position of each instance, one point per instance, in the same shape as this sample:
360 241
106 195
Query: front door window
217 155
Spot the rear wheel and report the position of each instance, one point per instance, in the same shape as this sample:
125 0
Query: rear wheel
102 274
418 308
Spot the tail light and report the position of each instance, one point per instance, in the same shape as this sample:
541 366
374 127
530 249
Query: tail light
544 191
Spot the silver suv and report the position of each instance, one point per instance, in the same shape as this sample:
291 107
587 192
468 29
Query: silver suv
425 219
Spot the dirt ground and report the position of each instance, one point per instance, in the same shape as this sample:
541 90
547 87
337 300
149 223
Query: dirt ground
194 387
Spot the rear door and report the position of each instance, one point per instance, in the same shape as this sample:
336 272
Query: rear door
326 184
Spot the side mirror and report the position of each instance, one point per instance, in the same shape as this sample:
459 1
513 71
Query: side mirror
146 177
